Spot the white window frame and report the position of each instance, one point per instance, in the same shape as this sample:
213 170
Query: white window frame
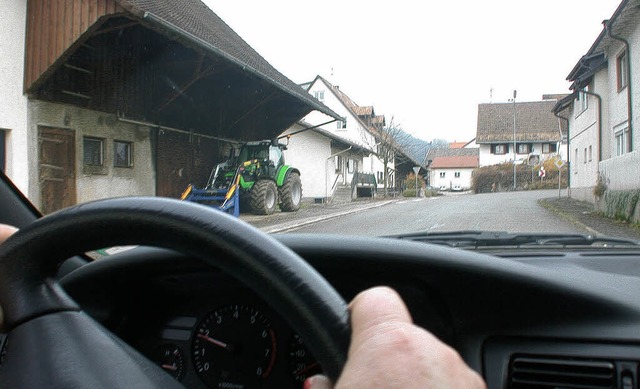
129 157
443 174
319 95
621 137
621 70
584 99
456 174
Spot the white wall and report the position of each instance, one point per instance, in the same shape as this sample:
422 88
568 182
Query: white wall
583 126
450 180
13 104
488 159
354 131
620 172
308 152
137 180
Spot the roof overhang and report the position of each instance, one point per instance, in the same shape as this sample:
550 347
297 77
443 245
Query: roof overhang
140 66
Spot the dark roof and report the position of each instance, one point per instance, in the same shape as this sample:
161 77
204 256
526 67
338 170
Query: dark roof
623 20
586 68
564 103
193 20
554 96
437 152
535 122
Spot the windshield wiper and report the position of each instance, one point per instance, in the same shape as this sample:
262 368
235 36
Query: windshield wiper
481 239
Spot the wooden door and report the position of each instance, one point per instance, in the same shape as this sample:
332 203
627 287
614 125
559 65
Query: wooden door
57 169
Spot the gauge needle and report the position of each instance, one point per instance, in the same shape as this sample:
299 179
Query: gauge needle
170 367
306 369
214 341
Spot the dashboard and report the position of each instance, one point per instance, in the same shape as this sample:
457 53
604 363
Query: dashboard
500 311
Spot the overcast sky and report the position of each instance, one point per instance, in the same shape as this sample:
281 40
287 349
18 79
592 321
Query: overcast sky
429 63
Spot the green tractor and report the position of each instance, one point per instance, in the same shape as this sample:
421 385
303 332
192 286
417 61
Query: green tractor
256 177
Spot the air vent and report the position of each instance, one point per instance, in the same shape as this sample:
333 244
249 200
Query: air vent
542 373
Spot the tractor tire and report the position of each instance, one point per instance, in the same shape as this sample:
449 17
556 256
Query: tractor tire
291 193
264 197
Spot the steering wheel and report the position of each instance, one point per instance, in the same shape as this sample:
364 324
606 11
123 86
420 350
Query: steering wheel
52 343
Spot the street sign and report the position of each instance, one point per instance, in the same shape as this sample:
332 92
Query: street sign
559 163
542 172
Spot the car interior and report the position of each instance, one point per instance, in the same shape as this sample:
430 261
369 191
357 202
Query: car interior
217 303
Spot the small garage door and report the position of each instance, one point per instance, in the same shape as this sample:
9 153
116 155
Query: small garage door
57 171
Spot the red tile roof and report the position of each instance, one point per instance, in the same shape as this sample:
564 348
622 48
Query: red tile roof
455 162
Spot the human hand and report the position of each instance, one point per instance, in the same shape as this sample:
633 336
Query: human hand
388 351
6 231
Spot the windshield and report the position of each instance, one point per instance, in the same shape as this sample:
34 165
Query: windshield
380 118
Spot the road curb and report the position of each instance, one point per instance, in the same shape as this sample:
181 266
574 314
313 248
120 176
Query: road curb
283 227
567 216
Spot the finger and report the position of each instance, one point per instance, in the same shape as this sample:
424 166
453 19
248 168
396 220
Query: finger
6 231
377 306
317 382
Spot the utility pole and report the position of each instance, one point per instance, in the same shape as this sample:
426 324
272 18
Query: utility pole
515 92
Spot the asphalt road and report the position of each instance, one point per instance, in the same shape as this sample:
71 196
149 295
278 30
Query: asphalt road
511 211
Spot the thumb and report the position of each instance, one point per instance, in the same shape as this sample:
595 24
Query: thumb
317 382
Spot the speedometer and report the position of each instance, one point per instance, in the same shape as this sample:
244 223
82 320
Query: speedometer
234 347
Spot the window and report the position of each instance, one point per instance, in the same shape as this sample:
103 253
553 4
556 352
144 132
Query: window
122 154
590 153
341 124
319 95
499 149
621 68
584 99
548 148
93 151
524 148
576 158
3 150
380 177
621 140
351 165
275 156
338 162
585 155
442 174
456 174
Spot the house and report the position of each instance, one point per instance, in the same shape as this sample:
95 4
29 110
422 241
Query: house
601 111
538 133
359 125
325 160
14 150
585 111
109 112
452 168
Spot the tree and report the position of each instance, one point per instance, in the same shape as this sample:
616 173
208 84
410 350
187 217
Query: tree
389 139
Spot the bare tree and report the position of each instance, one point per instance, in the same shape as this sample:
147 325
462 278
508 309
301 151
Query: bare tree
389 140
